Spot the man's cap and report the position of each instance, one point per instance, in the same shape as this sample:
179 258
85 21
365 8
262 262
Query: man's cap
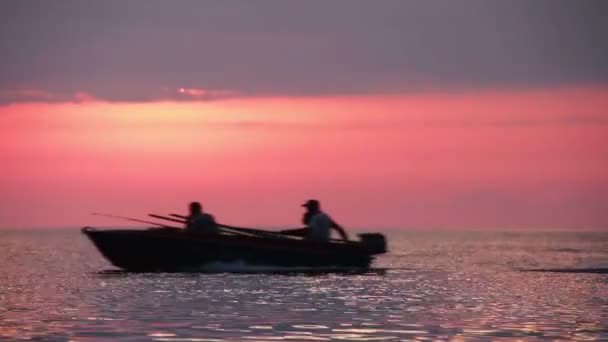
311 203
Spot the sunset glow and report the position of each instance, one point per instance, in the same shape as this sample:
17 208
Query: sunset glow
498 159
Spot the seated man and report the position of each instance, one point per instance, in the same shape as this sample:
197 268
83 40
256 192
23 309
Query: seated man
200 222
318 224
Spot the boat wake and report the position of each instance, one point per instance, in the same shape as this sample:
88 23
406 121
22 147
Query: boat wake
242 267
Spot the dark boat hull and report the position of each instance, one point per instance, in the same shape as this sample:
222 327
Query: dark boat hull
170 250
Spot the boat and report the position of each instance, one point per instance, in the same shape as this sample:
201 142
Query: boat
176 250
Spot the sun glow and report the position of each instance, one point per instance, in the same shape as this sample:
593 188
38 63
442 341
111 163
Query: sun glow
439 151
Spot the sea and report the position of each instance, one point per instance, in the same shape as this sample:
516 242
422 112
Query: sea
433 285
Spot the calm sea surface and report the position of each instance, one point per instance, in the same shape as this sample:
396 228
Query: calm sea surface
55 286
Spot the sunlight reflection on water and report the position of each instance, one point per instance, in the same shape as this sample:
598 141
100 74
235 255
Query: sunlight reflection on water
438 286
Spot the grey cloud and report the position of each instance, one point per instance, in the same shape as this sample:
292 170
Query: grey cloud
146 50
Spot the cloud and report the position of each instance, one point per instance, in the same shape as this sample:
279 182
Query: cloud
135 50
27 95
24 94
205 94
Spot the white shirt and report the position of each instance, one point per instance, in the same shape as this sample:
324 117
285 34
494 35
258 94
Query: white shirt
320 227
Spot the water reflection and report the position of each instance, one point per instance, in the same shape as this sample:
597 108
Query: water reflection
265 271
453 293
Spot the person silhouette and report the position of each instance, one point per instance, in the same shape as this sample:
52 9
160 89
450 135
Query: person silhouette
199 221
318 224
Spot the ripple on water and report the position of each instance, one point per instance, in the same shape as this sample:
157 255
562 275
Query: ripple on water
454 287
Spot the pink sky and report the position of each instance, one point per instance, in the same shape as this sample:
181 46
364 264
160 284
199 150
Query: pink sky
490 159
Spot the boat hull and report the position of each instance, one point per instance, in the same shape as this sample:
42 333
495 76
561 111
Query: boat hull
169 250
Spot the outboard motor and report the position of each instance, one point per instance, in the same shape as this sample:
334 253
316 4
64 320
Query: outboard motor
375 243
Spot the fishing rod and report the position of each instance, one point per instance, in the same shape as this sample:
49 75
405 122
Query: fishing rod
259 232
248 230
131 219
244 230
168 218
183 219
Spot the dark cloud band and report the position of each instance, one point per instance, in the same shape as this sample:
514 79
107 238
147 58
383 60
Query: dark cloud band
149 50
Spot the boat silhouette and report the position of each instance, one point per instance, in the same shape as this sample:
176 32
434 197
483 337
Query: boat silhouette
169 249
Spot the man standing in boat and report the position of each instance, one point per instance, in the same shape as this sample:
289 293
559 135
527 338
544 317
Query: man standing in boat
318 223
200 222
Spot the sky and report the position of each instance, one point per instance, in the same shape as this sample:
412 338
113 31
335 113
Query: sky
395 114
